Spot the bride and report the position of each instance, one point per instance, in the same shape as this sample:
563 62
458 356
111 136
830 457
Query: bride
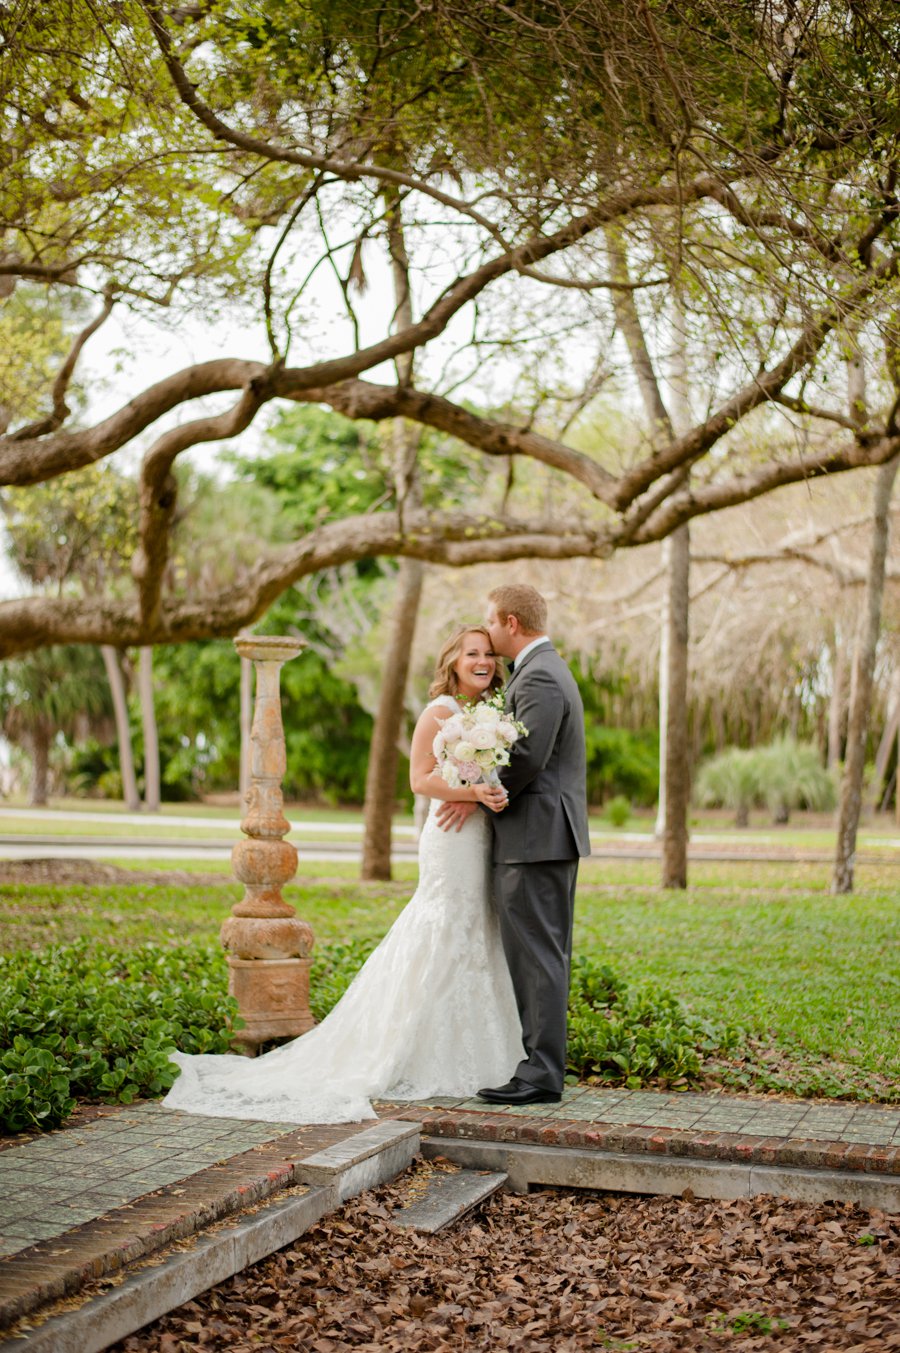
432 1011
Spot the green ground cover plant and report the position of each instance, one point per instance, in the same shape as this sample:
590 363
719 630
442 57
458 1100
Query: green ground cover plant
83 1022
87 1022
812 981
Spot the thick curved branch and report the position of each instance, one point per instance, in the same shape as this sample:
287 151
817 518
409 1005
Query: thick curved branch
363 399
32 462
32 622
36 460
159 490
743 488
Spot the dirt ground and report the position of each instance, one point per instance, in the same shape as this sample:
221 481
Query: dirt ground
96 873
562 1271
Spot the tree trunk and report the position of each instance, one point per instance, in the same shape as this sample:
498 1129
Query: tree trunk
861 685
381 776
836 703
675 759
246 721
123 727
888 738
39 738
151 737
664 668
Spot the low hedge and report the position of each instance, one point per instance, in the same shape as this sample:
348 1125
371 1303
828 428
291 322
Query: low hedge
84 1022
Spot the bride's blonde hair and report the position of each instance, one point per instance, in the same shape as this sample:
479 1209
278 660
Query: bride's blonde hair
446 682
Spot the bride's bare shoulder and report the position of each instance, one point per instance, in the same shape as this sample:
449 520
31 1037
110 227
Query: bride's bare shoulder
440 708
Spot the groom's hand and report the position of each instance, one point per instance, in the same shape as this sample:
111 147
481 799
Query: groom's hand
453 815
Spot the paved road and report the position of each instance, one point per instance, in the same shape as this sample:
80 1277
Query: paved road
318 841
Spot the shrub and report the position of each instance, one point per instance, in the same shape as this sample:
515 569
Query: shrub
730 780
784 775
791 775
333 969
621 762
619 1036
85 1022
617 811
81 1022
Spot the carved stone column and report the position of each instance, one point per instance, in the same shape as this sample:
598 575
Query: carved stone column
268 946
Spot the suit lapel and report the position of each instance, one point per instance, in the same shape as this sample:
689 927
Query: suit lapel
520 667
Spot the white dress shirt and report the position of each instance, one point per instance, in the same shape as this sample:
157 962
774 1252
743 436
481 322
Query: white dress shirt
541 639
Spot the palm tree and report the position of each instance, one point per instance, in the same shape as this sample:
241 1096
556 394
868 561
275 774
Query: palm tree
49 692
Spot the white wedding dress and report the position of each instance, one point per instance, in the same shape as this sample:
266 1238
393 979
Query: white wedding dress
431 1012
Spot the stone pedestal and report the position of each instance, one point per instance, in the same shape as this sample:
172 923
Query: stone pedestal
268 946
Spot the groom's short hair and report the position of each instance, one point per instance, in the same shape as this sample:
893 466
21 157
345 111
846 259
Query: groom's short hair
522 601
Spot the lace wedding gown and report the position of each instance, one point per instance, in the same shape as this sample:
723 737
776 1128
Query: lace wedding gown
431 1012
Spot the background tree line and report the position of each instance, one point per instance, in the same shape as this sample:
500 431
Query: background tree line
691 209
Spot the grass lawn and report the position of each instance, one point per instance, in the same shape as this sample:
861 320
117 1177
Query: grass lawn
814 980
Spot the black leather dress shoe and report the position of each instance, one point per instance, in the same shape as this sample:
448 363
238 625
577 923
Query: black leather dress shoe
519 1092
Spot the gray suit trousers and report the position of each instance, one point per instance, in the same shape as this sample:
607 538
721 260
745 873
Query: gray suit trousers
535 904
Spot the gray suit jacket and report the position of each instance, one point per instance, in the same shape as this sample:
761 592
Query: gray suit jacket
547 814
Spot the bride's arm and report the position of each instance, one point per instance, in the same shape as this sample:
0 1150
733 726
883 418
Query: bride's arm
423 774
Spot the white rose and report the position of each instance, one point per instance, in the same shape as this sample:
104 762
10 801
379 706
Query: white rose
507 731
464 751
485 758
450 775
452 728
486 714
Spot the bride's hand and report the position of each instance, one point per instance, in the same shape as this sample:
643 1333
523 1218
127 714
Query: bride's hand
492 796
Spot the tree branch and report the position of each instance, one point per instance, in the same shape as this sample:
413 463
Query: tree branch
363 399
816 411
444 538
158 495
743 488
60 411
764 388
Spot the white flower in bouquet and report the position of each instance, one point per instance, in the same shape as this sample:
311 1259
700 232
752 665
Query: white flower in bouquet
471 745
482 738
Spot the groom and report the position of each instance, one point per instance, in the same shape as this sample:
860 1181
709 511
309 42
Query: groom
538 839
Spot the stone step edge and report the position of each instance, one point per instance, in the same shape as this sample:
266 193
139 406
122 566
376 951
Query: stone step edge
399 1138
621 1172
447 1199
738 1147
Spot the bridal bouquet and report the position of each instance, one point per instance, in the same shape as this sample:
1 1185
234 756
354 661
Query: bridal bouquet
470 746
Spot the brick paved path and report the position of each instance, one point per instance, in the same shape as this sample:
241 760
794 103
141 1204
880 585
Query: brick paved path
83 1201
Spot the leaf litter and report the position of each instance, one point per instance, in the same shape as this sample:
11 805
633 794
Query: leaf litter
561 1271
